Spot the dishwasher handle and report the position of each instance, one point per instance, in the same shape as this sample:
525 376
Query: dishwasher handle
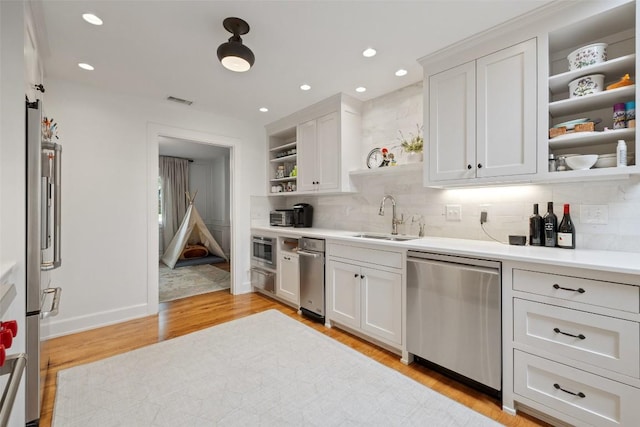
309 254
467 267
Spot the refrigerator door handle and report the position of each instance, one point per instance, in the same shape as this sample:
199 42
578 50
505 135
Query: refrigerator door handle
54 178
53 311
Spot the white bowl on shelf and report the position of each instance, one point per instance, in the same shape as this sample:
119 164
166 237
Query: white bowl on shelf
581 162
587 85
586 56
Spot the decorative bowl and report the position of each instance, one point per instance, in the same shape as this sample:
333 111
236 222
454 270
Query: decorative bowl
587 85
587 55
606 161
582 162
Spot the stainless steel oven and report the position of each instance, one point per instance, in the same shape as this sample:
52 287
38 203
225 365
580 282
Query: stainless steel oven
263 250
263 263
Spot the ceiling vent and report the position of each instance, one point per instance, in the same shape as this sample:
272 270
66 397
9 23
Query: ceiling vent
179 100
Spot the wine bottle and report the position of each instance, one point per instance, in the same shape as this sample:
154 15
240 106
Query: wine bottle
535 228
566 231
550 222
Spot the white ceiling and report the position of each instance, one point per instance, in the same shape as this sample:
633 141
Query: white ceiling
159 48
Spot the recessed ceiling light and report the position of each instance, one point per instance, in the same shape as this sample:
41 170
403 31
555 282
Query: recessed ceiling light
92 19
86 66
305 87
369 52
264 109
361 89
401 72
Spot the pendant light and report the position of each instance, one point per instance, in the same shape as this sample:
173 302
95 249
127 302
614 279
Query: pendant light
233 54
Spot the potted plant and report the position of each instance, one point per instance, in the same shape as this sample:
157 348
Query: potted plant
412 146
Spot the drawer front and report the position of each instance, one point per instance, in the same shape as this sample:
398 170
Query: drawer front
371 256
598 340
595 292
592 399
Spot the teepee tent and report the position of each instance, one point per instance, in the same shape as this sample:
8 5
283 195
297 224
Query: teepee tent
192 231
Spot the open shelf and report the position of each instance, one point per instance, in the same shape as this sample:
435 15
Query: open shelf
583 139
592 102
389 170
617 67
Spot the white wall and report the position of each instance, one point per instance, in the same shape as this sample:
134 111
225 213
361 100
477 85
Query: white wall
211 180
109 216
509 207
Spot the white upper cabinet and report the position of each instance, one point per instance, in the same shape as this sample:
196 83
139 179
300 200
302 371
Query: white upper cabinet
452 123
506 112
318 142
481 118
322 142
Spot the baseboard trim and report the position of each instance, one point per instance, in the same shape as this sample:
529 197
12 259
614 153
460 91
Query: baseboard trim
93 321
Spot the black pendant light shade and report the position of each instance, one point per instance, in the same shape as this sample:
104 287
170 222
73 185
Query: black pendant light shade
233 54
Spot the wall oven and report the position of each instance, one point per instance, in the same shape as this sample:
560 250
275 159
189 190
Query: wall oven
263 263
263 251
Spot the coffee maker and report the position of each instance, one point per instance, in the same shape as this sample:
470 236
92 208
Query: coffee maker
302 215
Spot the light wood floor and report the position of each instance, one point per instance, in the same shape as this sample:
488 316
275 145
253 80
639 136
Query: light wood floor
187 315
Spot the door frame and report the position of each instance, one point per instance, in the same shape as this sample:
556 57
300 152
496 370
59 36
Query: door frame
154 132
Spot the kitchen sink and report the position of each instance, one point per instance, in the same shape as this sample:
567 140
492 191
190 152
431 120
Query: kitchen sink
385 237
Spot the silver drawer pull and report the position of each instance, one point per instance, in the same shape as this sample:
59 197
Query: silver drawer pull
579 290
579 394
558 331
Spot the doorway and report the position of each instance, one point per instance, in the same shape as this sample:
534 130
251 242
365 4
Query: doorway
155 132
203 171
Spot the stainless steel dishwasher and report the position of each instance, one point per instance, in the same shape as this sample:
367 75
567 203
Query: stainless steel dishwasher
453 316
311 256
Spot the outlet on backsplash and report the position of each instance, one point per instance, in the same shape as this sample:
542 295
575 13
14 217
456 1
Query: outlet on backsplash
453 212
594 214
485 208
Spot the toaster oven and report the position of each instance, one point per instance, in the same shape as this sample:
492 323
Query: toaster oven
281 217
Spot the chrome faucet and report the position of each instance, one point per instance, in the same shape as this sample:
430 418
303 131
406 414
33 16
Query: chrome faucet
394 219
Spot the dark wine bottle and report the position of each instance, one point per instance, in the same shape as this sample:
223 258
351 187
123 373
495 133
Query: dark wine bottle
536 233
550 222
566 231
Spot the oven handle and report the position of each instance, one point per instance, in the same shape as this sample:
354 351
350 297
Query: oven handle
54 304
14 365
262 272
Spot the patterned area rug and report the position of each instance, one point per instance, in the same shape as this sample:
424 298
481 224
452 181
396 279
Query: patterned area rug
262 370
191 280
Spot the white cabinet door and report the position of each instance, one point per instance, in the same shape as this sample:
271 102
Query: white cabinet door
382 304
307 142
328 152
452 123
288 277
506 111
343 303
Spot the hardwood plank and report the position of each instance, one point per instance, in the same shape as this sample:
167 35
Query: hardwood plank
180 317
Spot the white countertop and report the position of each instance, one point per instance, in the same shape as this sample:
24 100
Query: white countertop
619 262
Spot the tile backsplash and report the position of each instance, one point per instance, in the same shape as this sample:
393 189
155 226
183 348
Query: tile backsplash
508 207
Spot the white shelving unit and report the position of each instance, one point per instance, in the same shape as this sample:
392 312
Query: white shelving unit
617 28
283 153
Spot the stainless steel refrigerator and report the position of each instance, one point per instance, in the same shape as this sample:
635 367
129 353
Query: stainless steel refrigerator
43 251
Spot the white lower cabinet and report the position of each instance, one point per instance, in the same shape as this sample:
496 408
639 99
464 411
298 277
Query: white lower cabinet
289 277
366 299
592 399
573 350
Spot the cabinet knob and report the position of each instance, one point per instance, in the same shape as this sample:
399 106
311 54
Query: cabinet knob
468 166
362 276
356 275
479 165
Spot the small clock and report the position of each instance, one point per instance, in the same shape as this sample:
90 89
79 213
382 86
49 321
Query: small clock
375 158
